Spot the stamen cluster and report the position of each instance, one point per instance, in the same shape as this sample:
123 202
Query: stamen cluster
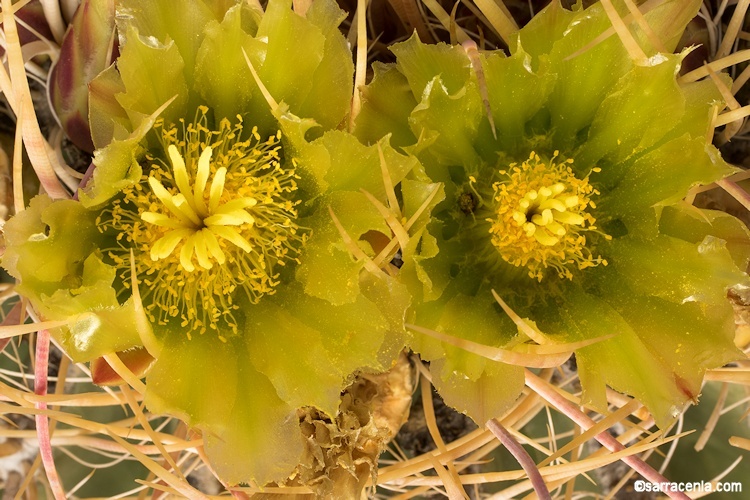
216 219
541 217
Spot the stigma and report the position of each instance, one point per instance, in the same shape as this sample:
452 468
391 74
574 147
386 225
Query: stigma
195 217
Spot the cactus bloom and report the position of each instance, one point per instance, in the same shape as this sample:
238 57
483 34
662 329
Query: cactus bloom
564 166
209 236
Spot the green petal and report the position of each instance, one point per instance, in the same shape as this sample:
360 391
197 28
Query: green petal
662 176
338 161
47 243
659 354
693 224
50 249
187 372
490 396
262 440
425 274
539 35
316 84
250 19
478 319
291 354
101 324
325 251
642 107
392 299
222 76
481 388
649 108
515 93
623 362
249 433
117 164
116 168
669 21
596 70
386 103
674 269
308 347
313 159
415 194
421 63
687 338
107 117
152 73
159 19
455 117
354 166
598 67
700 99
287 70
333 80
353 334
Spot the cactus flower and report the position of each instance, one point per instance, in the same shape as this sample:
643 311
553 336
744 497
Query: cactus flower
207 249
565 165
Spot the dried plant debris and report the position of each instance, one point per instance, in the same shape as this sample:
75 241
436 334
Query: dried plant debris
16 455
340 455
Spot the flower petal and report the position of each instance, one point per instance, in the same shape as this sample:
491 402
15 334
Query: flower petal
673 269
455 117
619 362
582 61
332 81
152 74
159 20
492 394
298 367
642 108
515 93
219 54
286 69
421 62
325 251
692 224
672 343
386 103
248 432
662 176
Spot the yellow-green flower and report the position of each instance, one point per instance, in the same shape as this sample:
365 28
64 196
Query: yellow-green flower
209 237
564 167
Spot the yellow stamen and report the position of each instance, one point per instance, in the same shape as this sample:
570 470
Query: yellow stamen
215 218
542 218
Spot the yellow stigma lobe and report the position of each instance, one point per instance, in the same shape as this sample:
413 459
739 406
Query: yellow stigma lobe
541 217
192 221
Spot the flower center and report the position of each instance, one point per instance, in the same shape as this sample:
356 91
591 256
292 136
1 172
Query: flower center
216 219
541 217
195 216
